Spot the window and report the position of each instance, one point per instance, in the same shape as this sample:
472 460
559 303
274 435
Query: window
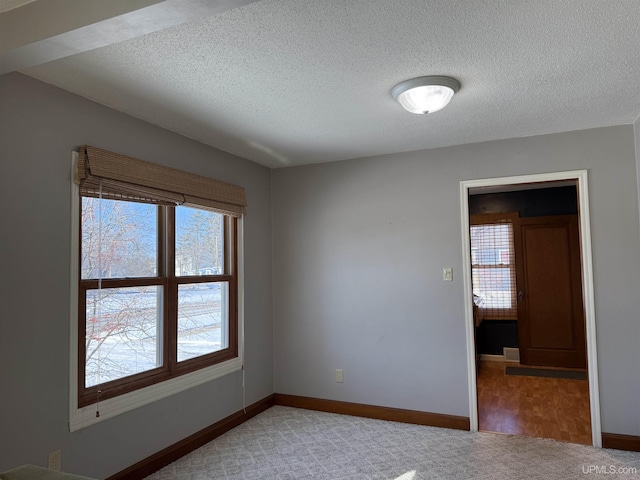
493 264
157 274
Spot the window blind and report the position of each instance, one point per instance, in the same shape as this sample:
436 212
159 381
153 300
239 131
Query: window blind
493 266
119 177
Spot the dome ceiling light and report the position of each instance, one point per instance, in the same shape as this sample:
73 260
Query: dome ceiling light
425 94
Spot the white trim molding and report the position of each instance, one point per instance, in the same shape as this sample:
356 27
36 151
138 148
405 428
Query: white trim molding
581 177
83 417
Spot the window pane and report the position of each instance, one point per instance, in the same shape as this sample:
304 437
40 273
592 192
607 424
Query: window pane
202 319
199 242
122 332
490 244
493 285
119 239
493 268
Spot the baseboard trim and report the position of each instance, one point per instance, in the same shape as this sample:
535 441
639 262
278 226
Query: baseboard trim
487 357
373 411
621 442
172 453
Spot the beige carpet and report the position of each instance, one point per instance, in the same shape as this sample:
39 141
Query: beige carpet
288 443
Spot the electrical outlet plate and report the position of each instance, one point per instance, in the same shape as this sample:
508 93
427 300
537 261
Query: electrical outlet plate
339 376
55 460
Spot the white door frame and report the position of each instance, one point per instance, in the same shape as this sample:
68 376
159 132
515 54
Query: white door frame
587 285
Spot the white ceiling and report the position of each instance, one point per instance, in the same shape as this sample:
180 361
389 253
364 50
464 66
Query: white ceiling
289 82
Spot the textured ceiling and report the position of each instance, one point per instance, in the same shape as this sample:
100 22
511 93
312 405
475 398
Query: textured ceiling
287 82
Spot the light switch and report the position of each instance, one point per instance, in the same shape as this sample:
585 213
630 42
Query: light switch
447 274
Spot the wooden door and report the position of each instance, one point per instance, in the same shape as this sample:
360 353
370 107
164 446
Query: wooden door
551 325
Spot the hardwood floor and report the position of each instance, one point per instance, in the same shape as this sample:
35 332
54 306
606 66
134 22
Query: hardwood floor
555 408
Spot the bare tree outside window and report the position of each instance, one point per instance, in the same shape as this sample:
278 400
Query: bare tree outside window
199 242
123 333
202 306
119 240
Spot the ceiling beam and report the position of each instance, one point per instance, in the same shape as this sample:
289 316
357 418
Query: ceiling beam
47 30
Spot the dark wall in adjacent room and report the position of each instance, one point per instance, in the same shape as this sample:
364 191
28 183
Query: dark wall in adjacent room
493 335
530 203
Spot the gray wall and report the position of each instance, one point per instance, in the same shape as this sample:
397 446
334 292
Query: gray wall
40 126
636 128
359 248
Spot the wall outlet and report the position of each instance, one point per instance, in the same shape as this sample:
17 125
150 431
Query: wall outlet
55 460
339 376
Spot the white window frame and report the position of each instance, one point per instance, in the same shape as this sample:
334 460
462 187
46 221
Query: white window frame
81 417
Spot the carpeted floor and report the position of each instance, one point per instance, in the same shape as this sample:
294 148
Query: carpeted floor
288 443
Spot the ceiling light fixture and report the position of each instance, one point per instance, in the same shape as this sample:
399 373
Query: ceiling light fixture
425 94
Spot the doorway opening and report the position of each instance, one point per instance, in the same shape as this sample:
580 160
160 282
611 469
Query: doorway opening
552 329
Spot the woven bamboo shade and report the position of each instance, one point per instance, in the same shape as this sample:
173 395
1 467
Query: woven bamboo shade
120 177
